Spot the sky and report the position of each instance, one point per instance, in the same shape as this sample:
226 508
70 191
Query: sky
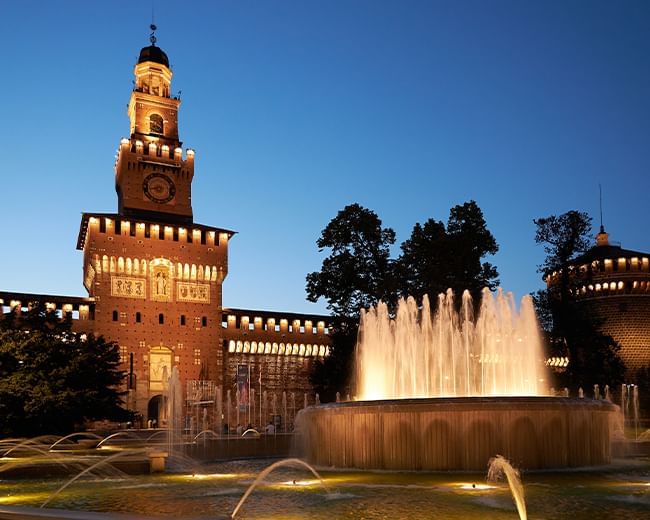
299 108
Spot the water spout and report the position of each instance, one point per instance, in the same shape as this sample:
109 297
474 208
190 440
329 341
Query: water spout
496 468
103 462
265 473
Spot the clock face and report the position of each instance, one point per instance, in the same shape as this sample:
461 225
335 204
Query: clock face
159 188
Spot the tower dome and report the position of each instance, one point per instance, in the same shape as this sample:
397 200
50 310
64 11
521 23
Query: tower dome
155 54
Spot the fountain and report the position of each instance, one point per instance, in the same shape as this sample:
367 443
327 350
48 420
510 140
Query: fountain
446 391
174 415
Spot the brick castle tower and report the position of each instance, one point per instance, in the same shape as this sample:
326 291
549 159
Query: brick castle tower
614 284
154 274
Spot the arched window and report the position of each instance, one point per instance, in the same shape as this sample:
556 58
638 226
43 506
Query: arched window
156 124
138 317
114 315
161 318
204 321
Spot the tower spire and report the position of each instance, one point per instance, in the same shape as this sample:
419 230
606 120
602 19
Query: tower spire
600 196
602 238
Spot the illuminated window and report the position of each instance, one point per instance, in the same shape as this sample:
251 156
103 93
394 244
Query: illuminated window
155 124
197 356
123 354
143 344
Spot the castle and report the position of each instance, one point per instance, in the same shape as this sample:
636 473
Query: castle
615 285
154 280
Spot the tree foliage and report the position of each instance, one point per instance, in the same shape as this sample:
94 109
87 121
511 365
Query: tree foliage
564 237
355 274
570 325
436 258
52 380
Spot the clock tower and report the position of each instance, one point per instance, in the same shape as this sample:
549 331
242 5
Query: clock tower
152 179
153 274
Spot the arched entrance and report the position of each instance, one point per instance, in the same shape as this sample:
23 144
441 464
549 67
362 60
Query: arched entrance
155 409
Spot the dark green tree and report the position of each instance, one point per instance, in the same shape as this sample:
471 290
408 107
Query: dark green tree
53 380
424 265
569 325
564 237
355 275
470 242
436 258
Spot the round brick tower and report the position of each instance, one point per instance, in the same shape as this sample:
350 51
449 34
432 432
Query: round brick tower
615 284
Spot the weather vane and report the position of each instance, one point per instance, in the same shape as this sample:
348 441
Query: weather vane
152 37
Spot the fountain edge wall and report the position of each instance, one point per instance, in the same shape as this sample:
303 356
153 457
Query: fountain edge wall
458 433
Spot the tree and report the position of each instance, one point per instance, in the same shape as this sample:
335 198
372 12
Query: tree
436 258
569 324
470 242
356 273
564 237
52 380
424 265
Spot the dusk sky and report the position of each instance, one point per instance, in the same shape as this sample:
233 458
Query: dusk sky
298 108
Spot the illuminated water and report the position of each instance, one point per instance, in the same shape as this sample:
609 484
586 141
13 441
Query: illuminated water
420 353
621 492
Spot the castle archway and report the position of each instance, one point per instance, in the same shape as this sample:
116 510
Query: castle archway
154 409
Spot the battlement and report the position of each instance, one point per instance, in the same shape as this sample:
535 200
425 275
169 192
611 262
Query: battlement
79 309
152 148
117 225
163 156
608 277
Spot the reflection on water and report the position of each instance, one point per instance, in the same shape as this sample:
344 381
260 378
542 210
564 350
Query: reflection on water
620 492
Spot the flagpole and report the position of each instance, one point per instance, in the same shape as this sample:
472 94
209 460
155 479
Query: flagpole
261 425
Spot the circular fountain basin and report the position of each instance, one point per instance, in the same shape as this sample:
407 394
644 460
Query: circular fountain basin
460 433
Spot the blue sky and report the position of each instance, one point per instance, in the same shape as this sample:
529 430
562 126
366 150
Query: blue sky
298 108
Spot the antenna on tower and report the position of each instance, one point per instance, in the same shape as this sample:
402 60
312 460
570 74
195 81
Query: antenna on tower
600 196
152 36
